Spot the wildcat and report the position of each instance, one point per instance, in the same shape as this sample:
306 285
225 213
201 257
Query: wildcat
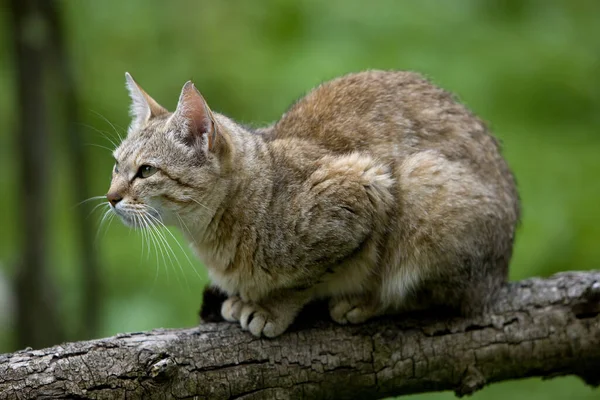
377 191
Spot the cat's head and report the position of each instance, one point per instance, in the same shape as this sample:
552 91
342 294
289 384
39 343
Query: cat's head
171 165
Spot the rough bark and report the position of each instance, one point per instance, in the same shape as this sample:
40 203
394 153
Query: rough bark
539 327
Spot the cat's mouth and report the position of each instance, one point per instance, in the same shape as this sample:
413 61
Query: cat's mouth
137 219
125 217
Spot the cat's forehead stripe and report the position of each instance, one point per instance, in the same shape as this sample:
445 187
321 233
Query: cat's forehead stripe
135 143
129 152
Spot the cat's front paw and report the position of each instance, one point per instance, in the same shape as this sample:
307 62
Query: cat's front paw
231 309
261 322
354 310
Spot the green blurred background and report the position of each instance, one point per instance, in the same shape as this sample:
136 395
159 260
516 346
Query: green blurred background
529 68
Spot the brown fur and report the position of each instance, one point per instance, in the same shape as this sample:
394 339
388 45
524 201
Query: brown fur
377 191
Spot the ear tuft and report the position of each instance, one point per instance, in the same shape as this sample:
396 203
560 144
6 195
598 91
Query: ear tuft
143 107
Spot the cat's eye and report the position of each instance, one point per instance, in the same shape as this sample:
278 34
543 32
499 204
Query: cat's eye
146 170
116 168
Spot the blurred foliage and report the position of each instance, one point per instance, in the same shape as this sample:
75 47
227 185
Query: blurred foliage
530 68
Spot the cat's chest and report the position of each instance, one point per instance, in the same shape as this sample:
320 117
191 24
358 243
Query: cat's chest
228 269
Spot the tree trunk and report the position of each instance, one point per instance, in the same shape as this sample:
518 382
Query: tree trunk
37 322
538 327
65 85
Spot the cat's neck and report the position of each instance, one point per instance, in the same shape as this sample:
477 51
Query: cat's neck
245 188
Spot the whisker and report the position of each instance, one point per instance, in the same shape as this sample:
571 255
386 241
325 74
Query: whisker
144 232
159 244
157 248
103 134
147 231
110 123
168 249
99 145
90 199
159 223
178 244
151 238
200 204
183 224
108 216
137 226
96 207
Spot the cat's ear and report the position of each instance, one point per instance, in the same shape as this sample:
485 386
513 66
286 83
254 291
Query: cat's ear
143 107
197 117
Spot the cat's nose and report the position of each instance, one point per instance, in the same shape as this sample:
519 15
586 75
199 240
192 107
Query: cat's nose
113 198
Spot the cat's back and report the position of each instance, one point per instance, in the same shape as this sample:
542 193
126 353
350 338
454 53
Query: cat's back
361 110
390 115
351 110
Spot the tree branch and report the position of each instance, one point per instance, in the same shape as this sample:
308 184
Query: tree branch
539 327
